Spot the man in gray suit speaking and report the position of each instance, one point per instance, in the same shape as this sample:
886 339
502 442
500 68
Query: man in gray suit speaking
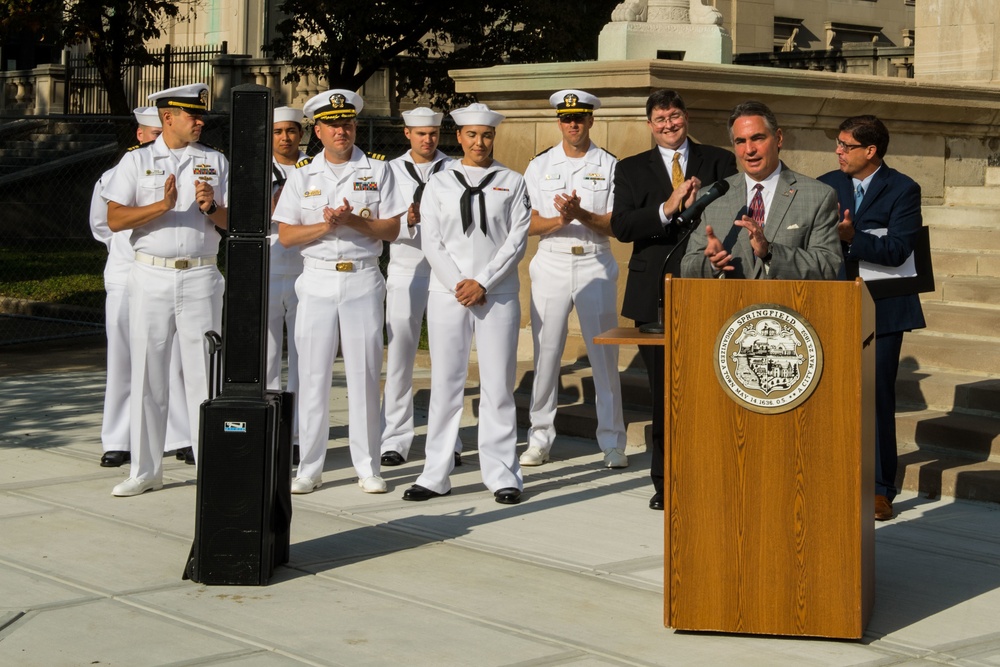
790 219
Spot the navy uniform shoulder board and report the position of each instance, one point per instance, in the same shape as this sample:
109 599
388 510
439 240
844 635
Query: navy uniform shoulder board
217 150
542 152
376 156
142 145
303 162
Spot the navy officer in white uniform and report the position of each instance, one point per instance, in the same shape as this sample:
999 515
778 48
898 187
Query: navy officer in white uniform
172 194
475 216
407 283
115 423
285 263
339 207
571 186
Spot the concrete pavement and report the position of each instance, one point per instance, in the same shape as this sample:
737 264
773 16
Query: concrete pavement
572 576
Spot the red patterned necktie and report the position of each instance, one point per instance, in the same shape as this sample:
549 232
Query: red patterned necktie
757 205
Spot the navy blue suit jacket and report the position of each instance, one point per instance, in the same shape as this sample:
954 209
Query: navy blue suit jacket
642 184
893 203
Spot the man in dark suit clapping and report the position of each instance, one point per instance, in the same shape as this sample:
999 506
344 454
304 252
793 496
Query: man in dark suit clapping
880 217
649 190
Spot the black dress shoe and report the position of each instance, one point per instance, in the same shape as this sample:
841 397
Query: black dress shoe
417 492
186 454
458 459
508 496
393 459
295 455
656 502
115 459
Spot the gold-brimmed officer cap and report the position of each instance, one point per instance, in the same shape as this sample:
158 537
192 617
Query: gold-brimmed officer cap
193 98
572 101
335 104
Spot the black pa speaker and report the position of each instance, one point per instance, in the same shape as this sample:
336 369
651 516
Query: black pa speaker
244 317
244 502
250 161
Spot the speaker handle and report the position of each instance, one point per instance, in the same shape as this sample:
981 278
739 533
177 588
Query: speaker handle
214 363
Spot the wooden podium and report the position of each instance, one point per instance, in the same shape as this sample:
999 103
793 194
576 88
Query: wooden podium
769 525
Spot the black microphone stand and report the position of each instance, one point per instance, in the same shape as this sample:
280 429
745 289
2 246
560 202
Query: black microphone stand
658 327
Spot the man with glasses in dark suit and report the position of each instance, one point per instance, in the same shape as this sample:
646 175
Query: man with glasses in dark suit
650 188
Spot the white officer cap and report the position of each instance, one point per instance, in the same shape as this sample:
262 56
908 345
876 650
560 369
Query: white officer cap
336 104
147 116
422 117
192 98
571 102
477 114
288 115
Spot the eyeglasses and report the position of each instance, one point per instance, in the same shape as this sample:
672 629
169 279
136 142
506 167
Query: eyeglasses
848 147
660 121
573 118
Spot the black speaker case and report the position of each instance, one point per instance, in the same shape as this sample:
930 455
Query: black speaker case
244 504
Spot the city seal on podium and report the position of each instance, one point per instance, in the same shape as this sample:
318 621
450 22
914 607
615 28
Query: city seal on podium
768 358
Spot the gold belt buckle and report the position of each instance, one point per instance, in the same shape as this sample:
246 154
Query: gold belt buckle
577 250
181 263
345 266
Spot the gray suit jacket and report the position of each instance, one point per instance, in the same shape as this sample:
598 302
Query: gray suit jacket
801 226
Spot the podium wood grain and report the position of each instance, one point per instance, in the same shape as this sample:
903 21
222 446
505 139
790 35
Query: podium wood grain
769 527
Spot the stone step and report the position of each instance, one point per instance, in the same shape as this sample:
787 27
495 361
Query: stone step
970 217
992 176
964 289
956 434
966 262
962 319
949 352
935 474
972 195
922 388
967 237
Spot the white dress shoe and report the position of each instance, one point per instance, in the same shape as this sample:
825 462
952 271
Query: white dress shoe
533 456
134 487
615 458
374 484
305 484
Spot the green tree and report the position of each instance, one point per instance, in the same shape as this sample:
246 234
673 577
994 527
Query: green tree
420 40
116 30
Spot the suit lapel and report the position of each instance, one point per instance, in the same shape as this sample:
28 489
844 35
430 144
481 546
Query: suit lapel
876 186
694 161
660 171
780 202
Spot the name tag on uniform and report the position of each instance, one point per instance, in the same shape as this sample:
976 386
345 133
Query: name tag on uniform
155 172
312 193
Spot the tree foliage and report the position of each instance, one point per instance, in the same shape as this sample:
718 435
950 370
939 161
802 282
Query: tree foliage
116 30
420 40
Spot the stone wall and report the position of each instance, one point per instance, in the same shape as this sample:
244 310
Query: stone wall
942 134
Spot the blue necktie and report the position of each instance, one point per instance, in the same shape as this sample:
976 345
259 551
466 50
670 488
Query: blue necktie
859 194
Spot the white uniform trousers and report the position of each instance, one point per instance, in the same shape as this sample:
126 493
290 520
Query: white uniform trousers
115 425
344 308
281 306
165 304
450 327
405 303
558 282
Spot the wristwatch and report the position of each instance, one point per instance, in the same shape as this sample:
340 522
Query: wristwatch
211 209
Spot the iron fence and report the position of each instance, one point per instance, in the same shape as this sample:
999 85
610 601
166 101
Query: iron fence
173 67
51 268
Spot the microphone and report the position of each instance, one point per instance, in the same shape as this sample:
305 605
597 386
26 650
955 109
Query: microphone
686 221
690 216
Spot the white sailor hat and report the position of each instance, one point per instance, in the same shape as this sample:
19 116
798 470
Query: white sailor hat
288 115
571 102
147 116
336 104
192 98
422 117
477 114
